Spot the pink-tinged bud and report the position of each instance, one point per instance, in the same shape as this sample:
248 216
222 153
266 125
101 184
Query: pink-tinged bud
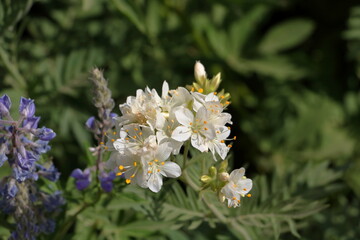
199 71
224 176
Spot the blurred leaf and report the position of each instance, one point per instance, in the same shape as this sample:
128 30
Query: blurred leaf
286 35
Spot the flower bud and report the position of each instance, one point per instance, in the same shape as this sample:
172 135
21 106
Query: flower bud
45 134
5 104
223 166
27 107
215 82
224 176
199 72
212 171
205 179
221 197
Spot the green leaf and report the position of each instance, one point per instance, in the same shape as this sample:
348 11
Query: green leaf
286 35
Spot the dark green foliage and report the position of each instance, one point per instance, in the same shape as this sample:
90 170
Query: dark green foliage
291 67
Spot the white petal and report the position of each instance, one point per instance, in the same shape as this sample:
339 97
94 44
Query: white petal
211 97
244 186
184 116
171 169
221 149
155 182
198 142
165 90
163 152
181 133
237 174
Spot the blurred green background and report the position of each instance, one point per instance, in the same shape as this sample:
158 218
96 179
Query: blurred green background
292 68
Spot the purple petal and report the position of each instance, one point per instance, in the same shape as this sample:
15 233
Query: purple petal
45 134
27 107
77 173
90 123
31 122
5 104
82 184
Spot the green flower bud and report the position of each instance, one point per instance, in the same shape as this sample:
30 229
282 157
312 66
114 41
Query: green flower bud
212 171
205 179
223 166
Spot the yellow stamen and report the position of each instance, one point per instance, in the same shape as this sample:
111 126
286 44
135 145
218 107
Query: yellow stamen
222 141
191 123
136 129
128 181
215 93
150 163
230 146
192 89
205 128
156 160
135 163
114 133
201 90
158 170
222 97
234 137
106 148
205 122
140 133
149 171
113 140
101 143
127 139
162 163
132 176
121 167
195 131
119 174
234 198
134 137
227 102
244 189
249 195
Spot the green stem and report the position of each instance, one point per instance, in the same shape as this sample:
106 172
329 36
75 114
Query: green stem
19 80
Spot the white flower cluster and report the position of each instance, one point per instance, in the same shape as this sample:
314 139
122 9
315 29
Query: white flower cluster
153 127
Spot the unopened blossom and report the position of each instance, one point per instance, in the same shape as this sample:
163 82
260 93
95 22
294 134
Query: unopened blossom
238 186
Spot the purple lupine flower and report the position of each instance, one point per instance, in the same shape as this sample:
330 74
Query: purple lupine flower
91 123
106 181
5 104
45 134
50 173
31 122
3 152
21 175
83 178
26 161
27 107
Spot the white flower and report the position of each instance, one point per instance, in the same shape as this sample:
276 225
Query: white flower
195 127
133 169
217 145
159 166
135 138
237 187
141 109
165 127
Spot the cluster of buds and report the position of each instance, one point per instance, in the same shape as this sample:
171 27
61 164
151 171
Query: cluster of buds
99 126
231 187
22 144
206 86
